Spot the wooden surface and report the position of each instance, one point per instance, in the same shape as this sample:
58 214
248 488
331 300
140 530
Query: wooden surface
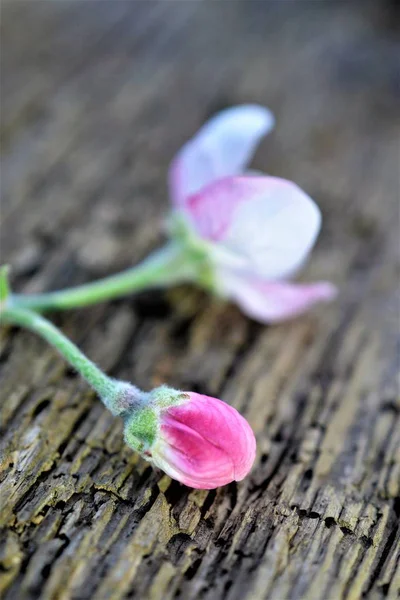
96 99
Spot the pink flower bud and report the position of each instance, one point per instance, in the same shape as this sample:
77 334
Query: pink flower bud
198 440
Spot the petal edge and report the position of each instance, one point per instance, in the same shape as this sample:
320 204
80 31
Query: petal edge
223 146
273 302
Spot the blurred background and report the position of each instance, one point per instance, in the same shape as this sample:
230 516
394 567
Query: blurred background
98 96
96 99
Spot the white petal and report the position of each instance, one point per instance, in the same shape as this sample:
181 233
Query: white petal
223 146
273 231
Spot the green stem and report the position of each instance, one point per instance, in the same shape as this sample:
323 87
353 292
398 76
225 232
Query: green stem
164 267
4 285
106 387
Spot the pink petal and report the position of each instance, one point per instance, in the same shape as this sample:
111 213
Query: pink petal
222 425
264 225
223 146
211 211
205 443
199 463
270 302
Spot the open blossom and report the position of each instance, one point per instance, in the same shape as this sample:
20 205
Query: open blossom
198 440
253 231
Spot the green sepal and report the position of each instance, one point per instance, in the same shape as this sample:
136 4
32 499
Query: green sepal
164 396
142 424
141 429
195 248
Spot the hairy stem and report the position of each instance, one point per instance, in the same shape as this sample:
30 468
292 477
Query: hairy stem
164 267
105 386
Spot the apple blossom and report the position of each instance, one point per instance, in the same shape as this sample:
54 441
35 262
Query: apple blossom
237 233
254 231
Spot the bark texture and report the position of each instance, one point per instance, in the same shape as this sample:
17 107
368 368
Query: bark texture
96 99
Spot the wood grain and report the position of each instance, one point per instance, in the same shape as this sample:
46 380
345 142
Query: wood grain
96 99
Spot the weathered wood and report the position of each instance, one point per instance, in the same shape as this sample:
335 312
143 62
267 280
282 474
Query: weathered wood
96 98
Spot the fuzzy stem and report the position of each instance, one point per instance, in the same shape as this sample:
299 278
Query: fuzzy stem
106 387
164 267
